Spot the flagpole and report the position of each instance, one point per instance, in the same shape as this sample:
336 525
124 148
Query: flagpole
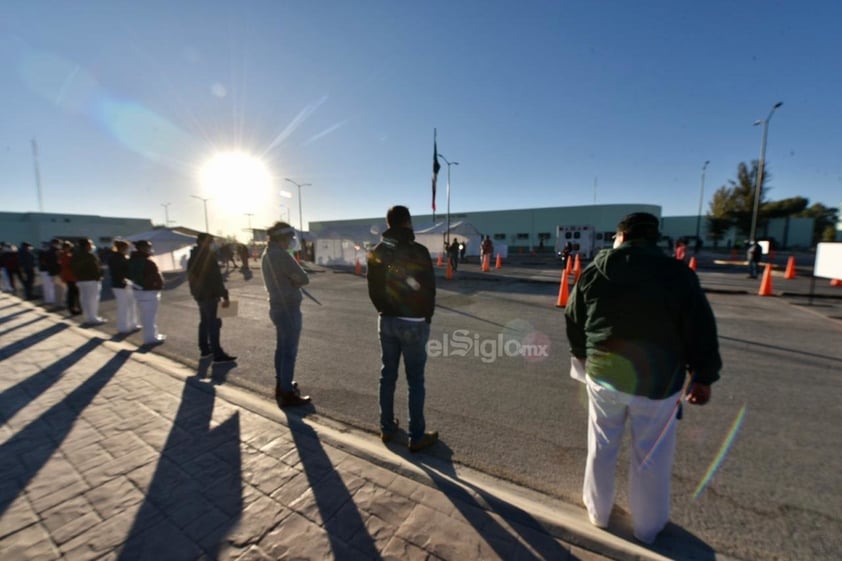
435 161
449 163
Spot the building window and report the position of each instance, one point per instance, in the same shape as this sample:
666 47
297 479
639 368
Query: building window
522 236
499 236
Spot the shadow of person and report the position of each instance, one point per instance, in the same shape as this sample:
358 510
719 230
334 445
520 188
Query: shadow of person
40 438
349 538
523 537
195 495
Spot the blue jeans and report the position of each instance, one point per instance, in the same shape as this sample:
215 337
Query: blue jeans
287 320
209 326
409 338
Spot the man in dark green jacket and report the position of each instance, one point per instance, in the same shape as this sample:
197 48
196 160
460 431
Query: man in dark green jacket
639 322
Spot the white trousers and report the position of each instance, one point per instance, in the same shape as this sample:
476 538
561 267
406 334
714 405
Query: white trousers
89 300
650 462
48 287
126 309
147 303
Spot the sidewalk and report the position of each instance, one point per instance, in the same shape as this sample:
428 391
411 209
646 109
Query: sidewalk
110 452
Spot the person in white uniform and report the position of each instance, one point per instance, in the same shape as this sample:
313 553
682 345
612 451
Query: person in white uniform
87 268
640 323
147 283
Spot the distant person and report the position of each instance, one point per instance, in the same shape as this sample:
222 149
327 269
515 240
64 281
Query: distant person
463 247
453 254
243 254
208 289
566 252
753 255
402 287
118 270
147 283
5 285
284 278
639 322
49 271
88 272
26 262
65 256
487 248
12 267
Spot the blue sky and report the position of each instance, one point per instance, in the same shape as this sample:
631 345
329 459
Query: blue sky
535 99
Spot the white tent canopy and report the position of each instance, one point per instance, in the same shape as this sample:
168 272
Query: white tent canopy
344 245
433 236
171 249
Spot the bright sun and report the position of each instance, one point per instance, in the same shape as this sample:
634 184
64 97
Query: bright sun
236 181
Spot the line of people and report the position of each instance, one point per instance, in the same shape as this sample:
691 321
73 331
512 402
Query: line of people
71 274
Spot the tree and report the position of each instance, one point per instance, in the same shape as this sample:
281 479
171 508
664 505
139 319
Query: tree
824 223
719 215
785 207
742 196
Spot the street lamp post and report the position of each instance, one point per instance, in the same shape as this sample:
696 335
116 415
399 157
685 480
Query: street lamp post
300 215
701 197
205 201
166 214
759 186
449 163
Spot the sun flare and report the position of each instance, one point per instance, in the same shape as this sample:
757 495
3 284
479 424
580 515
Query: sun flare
236 181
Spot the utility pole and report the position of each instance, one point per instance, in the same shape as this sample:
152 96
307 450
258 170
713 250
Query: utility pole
166 214
37 175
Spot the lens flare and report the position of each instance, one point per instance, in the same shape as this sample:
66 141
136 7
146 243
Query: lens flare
723 451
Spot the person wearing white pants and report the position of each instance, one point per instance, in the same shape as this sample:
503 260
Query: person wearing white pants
653 431
147 303
88 271
89 300
48 287
639 321
118 268
147 283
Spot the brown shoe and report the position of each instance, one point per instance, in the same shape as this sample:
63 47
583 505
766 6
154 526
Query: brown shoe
425 441
292 399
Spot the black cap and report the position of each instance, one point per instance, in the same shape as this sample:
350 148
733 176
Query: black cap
640 225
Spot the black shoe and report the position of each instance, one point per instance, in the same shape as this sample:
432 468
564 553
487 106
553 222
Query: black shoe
205 354
386 437
293 399
219 359
425 441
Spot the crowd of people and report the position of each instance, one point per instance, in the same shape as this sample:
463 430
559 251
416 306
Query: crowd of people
642 343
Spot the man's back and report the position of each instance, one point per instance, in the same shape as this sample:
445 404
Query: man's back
640 317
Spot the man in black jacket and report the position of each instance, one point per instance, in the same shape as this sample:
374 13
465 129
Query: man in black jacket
402 287
639 321
208 288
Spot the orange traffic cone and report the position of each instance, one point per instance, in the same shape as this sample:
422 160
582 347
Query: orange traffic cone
577 269
448 274
692 264
790 268
766 282
568 266
836 282
499 263
486 263
563 291
358 269
440 261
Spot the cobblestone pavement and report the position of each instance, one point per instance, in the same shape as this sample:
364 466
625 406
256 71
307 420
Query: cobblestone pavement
110 452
